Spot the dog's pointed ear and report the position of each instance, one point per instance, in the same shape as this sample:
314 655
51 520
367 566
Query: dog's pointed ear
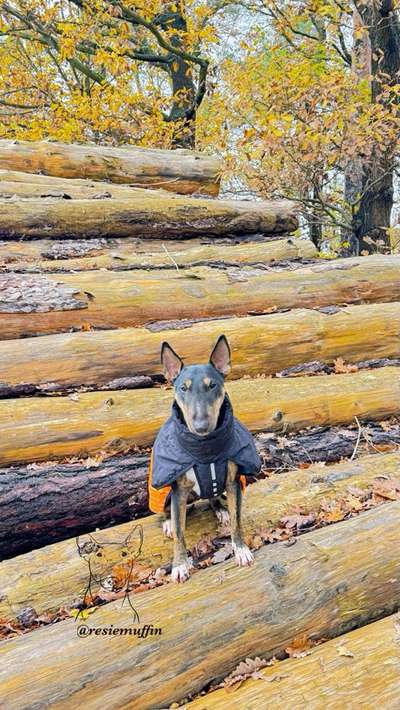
221 356
172 363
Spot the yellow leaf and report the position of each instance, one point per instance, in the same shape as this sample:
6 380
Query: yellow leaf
82 613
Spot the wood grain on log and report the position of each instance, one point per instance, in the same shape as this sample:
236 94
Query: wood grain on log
124 254
33 305
27 185
42 429
156 216
56 575
360 669
259 344
182 171
330 582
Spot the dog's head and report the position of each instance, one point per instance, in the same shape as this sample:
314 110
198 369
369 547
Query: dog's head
199 389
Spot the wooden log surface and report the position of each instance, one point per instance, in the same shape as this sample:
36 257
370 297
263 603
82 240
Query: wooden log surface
157 216
329 582
42 429
361 669
56 575
40 256
182 171
14 184
40 304
115 488
259 344
44 504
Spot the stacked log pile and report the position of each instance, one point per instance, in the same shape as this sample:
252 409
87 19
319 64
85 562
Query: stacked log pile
105 253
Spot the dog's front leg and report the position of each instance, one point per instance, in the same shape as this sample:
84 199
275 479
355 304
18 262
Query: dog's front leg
243 555
179 496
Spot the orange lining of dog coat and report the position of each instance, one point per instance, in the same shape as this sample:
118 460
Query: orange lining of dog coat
158 496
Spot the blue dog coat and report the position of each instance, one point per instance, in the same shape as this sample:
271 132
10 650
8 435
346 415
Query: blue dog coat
177 450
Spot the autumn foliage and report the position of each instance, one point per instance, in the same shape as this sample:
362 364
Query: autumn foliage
302 99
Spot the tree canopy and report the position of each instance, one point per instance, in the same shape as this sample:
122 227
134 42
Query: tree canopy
301 99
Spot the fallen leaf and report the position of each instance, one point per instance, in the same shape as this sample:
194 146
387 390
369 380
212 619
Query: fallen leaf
129 573
299 521
341 367
246 669
387 489
300 646
82 613
343 651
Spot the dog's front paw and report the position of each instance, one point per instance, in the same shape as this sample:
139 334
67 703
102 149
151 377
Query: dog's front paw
180 573
243 556
167 528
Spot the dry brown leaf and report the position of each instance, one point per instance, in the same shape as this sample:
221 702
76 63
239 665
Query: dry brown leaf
298 521
354 504
300 646
129 573
342 368
387 489
250 668
254 541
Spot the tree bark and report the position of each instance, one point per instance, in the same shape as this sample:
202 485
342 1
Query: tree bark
185 101
260 345
179 171
369 178
156 217
48 428
115 489
41 256
44 304
361 668
68 499
330 582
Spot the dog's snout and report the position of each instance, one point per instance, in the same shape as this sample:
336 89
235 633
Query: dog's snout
201 424
202 428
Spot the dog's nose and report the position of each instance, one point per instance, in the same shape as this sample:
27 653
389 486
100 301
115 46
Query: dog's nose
201 428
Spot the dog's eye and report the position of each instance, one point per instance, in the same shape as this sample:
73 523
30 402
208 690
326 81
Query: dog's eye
183 388
212 385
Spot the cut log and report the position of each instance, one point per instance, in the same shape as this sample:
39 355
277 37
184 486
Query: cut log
44 504
359 670
260 345
124 254
183 171
54 509
56 575
330 582
26 185
42 429
329 444
34 305
156 216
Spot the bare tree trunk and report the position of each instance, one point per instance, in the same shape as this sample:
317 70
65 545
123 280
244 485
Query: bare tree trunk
183 111
314 224
369 180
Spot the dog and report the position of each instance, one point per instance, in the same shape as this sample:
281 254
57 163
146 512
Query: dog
201 452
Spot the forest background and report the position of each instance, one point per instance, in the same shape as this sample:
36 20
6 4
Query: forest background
300 98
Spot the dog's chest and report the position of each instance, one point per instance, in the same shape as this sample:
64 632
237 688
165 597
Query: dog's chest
208 480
